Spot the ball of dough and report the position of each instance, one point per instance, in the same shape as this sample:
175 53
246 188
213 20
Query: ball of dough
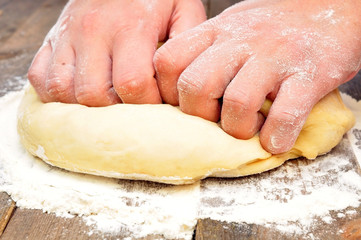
159 142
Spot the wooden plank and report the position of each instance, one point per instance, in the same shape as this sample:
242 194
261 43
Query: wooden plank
7 207
352 230
208 229
34 224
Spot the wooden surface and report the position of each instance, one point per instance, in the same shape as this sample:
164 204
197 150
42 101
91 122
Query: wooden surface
23 25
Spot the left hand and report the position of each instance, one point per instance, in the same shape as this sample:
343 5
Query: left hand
292 52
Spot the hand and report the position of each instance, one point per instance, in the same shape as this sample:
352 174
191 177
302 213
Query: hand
292 52
101 52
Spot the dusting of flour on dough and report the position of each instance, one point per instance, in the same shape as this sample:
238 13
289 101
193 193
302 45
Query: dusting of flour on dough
288 199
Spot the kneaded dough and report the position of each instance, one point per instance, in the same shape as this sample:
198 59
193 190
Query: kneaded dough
159 142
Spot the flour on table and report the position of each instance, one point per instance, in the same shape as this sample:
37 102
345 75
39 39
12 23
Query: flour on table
289 198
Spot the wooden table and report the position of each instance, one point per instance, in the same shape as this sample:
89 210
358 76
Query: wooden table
23 25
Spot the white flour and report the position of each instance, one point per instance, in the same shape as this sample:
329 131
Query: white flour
288 199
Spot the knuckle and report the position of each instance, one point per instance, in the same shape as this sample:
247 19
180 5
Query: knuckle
57 86
189 83
90 96
239 99
84 96
60 81
163 61
132 83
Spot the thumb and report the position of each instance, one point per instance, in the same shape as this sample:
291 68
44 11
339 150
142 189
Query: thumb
186 15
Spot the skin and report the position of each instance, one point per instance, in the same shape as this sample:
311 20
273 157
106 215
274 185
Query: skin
292 52
101 52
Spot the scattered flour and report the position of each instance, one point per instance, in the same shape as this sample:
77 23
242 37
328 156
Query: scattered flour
289 199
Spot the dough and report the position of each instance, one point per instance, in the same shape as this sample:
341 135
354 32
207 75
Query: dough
159 142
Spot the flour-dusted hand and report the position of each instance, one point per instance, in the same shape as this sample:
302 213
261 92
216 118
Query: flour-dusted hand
293 52
101 52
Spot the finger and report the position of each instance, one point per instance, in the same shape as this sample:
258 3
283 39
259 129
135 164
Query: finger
295 99
38 71
175 55
92 81
133 71
244 97
187 15
60 79
203 82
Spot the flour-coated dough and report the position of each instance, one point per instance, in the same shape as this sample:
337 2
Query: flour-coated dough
159 142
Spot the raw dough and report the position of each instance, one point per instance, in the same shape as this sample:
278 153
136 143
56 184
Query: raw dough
159 142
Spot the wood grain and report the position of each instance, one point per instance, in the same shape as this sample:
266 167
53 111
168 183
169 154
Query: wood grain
352 230
34 224
208 229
